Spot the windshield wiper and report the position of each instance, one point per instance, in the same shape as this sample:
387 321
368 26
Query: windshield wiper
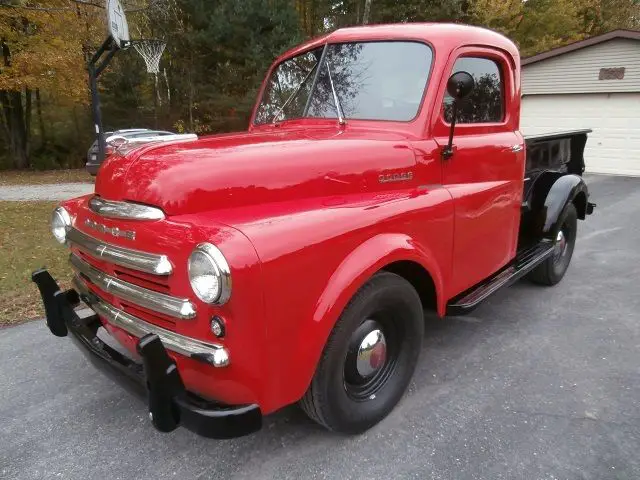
335 96
293 95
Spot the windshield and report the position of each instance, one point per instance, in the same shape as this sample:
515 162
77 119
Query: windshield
372 81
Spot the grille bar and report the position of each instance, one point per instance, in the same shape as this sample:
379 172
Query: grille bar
125 257
210 353
180 308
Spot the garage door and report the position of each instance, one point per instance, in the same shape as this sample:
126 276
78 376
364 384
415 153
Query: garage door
614 145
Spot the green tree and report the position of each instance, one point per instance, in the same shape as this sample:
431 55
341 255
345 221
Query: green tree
222 54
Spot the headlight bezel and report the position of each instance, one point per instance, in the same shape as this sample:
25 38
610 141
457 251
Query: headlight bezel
220 268
61 214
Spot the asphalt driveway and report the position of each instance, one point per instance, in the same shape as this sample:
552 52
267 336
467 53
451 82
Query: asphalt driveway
538 383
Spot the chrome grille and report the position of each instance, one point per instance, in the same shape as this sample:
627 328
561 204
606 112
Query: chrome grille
180 308
125 257
135 281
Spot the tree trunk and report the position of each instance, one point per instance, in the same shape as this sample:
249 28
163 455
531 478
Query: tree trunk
367 11
166 81
43 134
27 121
157 89
191 92
156 100
14 114
14 118
4 121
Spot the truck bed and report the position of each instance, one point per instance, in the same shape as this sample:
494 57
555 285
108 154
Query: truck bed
562 151
559 151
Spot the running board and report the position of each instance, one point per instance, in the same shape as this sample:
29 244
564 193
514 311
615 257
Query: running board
525 261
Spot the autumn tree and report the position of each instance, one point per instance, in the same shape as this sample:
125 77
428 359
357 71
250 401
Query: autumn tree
539 25
44 48
600 16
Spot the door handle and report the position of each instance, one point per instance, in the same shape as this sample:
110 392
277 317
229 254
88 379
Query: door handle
516 148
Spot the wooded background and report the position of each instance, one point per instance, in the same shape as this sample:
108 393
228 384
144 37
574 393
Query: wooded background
217 53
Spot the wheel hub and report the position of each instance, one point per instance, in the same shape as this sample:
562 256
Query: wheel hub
561 245
372 353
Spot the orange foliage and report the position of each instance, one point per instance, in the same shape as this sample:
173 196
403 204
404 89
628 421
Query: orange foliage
48 43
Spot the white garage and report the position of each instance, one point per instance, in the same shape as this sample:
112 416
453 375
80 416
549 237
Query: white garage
593 84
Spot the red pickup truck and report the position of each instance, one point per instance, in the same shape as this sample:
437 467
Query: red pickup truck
382 178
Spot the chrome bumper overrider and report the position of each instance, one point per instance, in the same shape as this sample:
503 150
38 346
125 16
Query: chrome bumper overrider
125 257
180 308
210 353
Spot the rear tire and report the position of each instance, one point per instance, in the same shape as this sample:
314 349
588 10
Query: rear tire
553 268
369 358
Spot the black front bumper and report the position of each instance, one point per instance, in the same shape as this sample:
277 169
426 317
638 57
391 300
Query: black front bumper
157 377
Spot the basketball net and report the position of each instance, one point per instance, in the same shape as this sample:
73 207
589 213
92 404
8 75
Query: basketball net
151 52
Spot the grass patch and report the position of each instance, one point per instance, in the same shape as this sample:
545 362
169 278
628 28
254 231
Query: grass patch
29 177
26 244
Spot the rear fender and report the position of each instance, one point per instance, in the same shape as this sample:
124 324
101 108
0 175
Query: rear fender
552 193
354 271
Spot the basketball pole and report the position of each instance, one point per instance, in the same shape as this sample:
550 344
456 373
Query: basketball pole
96 65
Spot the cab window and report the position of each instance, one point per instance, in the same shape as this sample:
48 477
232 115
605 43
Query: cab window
485 104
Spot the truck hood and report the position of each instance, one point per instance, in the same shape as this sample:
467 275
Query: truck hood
225 171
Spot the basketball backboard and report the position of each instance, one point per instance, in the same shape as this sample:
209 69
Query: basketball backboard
117 23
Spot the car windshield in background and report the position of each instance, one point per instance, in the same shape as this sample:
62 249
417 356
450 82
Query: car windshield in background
372 80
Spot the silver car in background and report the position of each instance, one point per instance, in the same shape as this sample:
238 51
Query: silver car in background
93 163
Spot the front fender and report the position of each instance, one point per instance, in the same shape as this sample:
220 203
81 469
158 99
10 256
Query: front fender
369 257
352 273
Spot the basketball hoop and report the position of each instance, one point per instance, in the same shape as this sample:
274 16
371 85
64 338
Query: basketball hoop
151 52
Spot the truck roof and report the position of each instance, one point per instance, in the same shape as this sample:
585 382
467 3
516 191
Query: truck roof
449 35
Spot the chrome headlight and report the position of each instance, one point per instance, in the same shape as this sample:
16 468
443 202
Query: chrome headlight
60 223
209 274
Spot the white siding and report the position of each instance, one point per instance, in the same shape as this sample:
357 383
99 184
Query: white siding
578 71
614 144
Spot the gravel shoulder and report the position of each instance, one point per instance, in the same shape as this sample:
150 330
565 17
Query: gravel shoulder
59 191
30 177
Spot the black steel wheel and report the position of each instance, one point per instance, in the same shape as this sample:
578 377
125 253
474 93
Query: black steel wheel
369 357
553 268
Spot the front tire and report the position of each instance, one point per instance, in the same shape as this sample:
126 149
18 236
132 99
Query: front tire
369 358
553 268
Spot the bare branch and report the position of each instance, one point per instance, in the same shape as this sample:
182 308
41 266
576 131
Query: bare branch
39 9
88 3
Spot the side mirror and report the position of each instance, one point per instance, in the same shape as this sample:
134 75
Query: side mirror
459 86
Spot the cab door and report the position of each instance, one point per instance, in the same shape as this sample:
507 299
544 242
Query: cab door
485 173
